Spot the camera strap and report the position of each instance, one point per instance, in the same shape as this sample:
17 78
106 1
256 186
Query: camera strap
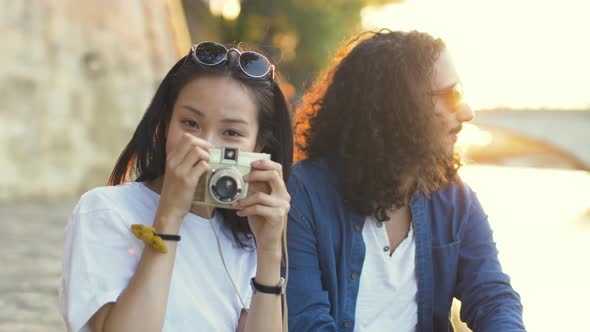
286 262
209 213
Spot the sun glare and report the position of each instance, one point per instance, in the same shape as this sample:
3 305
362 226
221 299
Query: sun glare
229 9
473 135
519 54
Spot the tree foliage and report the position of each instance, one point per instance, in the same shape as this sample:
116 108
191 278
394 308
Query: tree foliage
298 35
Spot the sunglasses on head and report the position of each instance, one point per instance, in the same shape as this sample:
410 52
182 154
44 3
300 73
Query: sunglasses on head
453 96
252 64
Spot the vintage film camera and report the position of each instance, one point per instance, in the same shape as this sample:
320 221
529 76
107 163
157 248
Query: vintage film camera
223 184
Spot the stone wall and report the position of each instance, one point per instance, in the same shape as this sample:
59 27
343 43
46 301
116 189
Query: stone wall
75 78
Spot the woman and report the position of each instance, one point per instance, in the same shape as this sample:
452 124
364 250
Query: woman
382 234
112 281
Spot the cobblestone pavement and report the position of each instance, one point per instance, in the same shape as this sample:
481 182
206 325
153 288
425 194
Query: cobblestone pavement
31 235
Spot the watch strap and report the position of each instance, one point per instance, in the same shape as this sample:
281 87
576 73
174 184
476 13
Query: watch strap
278 289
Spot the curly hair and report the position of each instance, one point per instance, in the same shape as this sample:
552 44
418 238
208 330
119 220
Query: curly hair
373 115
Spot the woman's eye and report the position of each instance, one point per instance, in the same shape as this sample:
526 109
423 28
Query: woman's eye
233 133
191 123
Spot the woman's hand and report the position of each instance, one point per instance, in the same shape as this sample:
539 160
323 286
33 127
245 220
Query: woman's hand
267 213
185 165
267 217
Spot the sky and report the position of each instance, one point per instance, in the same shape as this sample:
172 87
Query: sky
517 54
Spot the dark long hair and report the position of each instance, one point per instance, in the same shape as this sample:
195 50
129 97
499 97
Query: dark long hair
373 114
144 157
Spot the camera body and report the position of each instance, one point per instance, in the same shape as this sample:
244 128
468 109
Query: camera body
224 183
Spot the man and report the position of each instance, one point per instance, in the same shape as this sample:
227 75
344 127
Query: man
382 233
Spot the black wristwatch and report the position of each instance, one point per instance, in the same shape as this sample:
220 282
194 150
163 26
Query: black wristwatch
278 289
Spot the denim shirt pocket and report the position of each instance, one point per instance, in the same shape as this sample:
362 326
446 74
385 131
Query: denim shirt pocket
445 260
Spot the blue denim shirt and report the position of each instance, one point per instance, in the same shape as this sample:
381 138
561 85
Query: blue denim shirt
456 256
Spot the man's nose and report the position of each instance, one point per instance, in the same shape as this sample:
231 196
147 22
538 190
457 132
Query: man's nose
465 113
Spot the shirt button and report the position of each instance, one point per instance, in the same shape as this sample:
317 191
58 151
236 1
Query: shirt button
379 224
354 275
386 248
346 323
357 227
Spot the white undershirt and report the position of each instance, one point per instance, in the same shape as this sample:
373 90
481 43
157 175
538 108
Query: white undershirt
101 255
388 287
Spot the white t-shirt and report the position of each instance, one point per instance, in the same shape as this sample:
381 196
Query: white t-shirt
101 255
388 287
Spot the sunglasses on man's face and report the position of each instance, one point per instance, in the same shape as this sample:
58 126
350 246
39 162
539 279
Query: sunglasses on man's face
252 64
453 96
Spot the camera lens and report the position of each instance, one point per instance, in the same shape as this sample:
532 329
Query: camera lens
225 188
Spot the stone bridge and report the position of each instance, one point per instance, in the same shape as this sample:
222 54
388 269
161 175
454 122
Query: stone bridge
567 130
